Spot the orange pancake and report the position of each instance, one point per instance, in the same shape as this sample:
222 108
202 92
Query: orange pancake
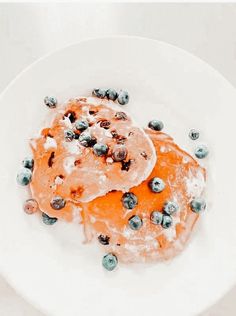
184 179
72 171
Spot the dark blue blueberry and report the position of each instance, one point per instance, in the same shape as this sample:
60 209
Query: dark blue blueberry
123 97
157 185
69 135
57 203
119 153
100 93
87 140
135 222
24 176
156 217
156 125
111 94
170 207
100 149
121 116
109 262
51 102
28 163
81 125
103 239
194 134
129 200
198 205
166 221
201 151
48 220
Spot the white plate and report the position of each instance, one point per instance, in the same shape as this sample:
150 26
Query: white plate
50 266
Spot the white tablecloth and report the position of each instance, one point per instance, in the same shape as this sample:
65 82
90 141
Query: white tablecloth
28 31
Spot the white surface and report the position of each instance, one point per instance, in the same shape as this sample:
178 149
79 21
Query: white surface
207 30
71 270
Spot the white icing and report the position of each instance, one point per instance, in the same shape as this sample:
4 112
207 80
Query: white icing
73 147
108 133
102 178
109 160
85 108
58 180
69 164
195 183
50 143
164 149
186 159
66 121
33 143
77 214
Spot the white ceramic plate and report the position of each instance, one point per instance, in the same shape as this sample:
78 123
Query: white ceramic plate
50 266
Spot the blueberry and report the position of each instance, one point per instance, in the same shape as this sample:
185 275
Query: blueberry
156 217
81 125
201 151
135 222
194 134
109 262
87 140
170 207
119 153
156 185
123 97
166 221
28 163
111 94
103 239
156 125
48 220
24 176
100 93
100 149
121 116
30 206
51 102
198 205
129 200
57 203
69 135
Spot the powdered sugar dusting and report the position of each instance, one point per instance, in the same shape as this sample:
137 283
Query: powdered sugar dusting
50 143
195 183
69 164
73 147
58 180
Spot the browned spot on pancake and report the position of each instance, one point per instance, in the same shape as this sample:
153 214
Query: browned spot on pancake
50 159
104 124
75 194
121 139
144 155
77 162
93 111
114 133
46 132
125 165
82 99
121 116
71 115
